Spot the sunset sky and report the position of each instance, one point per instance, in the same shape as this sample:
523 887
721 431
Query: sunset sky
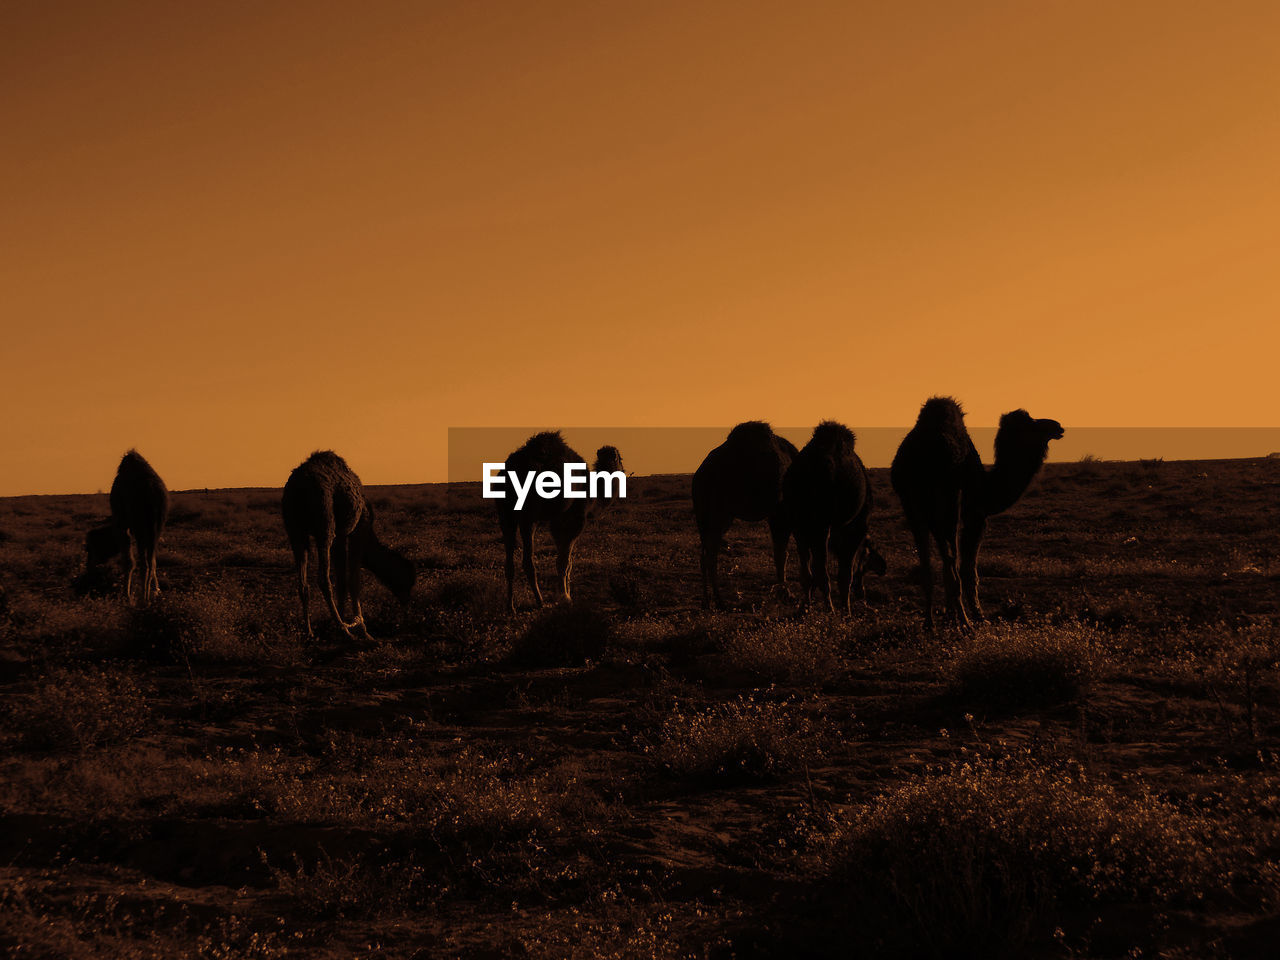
235 232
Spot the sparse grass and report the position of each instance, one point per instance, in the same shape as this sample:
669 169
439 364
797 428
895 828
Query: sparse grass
478 596
746 738
42 918
1025 665
77 709
786 651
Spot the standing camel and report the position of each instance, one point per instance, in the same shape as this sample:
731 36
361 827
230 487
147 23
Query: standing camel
324 501
946 493
139 508
565 517
827 496
741 480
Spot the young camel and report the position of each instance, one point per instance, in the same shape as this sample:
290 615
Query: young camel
139 509
565 517
827 496
324 501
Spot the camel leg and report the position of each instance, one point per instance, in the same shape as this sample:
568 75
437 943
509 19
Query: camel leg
509 542
150 586
133 566
821 578
970 540
946 533
780 533
844 574
324 563
530 571
858 589
155 576
712 536
564 566
920 533
338 557
803 568
354 552
304 590
565 531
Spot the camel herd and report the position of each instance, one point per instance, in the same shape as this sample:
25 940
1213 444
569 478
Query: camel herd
819 494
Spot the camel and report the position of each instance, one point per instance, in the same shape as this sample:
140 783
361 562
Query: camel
324 501
947 493
139 508
741 480
565 517
827 497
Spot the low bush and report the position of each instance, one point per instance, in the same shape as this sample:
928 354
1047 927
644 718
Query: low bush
1017 665
742 739
975 862
566 634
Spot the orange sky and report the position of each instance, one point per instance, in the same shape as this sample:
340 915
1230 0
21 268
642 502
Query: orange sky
235 232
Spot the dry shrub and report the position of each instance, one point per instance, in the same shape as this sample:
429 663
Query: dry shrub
742 739
78 709
213 624
975 862
1016 665
475 796
359 887
566 634
785 651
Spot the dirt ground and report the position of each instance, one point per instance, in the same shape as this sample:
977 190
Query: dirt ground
1092 773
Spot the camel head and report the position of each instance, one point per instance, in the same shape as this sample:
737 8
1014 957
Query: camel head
392 569
1022 435
608 458
1022 443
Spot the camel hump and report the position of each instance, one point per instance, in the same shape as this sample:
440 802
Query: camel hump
543 451
326 461
829 433
941 413
750 433
134 464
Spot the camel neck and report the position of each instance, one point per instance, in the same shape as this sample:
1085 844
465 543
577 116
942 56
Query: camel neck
1008 480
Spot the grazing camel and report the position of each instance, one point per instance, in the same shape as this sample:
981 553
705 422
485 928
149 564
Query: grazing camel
139 508
827 497
324 501
741 480
946 493
565 517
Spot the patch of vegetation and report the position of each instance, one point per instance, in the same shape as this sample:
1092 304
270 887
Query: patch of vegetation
975 862
1024 665
744 738
786 651
78 709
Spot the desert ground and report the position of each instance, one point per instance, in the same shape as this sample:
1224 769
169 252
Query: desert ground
1091 773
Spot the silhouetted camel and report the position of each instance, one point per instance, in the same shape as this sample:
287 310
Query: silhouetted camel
827 496
139 508
741 480
565 517
324 501
947 493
